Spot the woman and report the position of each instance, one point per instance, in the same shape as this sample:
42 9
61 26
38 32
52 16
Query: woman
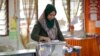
47 27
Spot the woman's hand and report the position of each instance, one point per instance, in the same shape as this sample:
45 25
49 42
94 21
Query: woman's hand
44 39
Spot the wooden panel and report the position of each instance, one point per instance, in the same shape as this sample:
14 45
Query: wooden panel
98 30
89 46
73 42
91 27
86 15
98 39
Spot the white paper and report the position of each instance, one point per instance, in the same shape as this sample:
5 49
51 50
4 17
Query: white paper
97 23
93 17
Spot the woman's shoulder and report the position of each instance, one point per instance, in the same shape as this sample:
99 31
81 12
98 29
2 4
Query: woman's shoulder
37 23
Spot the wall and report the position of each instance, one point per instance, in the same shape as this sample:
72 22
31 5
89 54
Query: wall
90 23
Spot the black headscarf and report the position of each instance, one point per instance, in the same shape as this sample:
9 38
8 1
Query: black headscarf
49 8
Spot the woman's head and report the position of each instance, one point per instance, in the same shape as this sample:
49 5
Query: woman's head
50 12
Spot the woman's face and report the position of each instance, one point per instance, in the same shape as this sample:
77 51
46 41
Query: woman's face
51 15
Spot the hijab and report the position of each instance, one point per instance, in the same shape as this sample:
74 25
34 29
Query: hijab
49 8
48 25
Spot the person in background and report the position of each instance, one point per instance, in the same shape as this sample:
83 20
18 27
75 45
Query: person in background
47 27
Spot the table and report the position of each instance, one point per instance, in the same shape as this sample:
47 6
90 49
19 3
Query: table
25 52
89 45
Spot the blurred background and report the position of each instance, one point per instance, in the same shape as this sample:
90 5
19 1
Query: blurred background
79 22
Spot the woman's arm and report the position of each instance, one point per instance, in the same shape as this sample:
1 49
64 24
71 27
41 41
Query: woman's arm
59 33
35 32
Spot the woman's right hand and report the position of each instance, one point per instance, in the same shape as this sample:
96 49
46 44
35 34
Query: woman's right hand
44 39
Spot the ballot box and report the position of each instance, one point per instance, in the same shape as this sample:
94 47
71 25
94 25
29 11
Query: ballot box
53 48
